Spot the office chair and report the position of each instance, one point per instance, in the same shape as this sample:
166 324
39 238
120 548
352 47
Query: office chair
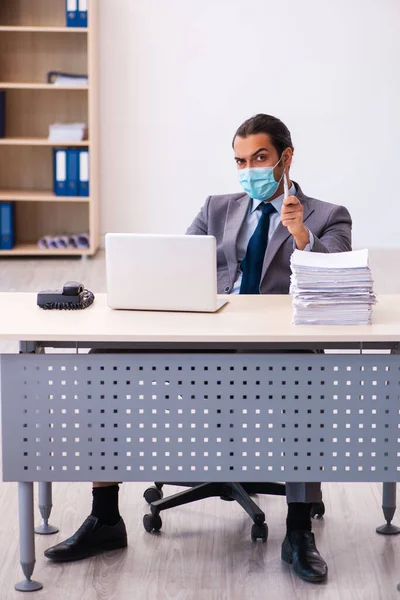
240 492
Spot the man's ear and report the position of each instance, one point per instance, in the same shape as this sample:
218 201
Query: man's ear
287 157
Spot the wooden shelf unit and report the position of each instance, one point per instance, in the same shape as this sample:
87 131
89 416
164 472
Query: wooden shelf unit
34 39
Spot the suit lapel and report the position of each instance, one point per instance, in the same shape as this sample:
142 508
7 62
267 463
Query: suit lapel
236 214
281 233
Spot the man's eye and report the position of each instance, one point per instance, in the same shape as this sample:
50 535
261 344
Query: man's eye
261 157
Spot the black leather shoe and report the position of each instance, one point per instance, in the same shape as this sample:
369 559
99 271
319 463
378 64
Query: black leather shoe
91 538
299 550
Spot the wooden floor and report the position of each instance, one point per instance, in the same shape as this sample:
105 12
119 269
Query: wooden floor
204 551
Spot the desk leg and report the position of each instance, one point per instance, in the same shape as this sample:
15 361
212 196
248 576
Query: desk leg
389 508
45 506
26 538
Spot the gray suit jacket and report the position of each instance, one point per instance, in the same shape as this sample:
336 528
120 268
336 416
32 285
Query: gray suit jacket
222 217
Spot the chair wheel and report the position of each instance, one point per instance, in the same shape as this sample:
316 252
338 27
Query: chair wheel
152 523
152 494
259 532
317 510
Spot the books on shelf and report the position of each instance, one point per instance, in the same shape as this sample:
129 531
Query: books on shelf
67 132
7 225
76 13
84 168
82 13
331 289
71 175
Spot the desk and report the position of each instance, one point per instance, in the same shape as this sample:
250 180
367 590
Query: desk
195 397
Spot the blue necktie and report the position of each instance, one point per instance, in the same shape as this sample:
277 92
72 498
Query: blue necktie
252 263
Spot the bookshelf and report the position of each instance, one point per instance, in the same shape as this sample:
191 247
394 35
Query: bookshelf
34 39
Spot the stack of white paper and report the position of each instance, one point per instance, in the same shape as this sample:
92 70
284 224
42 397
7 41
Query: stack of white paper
67 132
331 289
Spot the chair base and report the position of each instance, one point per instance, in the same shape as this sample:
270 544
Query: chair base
238 492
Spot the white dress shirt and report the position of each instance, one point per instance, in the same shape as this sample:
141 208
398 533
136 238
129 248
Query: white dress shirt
249 226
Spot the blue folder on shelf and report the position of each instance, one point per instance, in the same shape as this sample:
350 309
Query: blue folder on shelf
60 172
82 13
72 172
84 173
7 233
2 114
71 10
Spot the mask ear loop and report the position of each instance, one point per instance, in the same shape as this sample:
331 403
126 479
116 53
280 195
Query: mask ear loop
283 176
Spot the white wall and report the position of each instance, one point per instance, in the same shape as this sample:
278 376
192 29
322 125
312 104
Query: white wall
178 77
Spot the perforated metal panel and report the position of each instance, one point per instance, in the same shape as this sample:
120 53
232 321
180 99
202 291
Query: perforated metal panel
201 417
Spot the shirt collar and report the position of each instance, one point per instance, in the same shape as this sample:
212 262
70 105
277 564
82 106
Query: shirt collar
276 203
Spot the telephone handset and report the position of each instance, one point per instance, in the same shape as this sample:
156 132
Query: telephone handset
73 296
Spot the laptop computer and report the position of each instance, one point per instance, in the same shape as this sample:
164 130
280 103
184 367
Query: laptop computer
162 272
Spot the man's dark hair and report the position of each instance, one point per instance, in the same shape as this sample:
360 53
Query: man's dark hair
277 131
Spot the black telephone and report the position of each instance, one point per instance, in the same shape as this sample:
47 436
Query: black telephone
73 296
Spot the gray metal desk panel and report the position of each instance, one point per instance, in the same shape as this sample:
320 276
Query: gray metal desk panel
134 417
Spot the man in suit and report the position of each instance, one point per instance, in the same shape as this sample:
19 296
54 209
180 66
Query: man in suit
256 232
